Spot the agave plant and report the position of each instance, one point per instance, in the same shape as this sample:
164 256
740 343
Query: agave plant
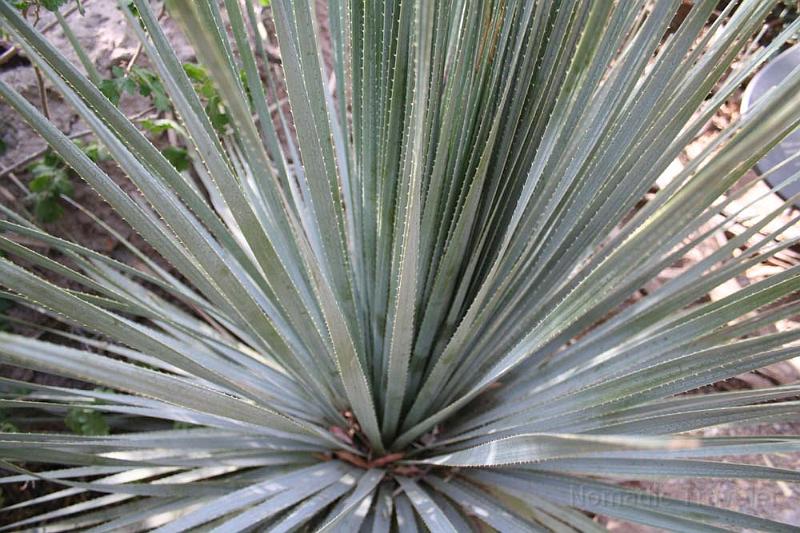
404 301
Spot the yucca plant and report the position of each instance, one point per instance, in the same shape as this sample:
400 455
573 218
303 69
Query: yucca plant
404 301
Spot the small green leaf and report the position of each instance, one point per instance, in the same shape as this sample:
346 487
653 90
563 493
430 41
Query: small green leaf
150 85
129 4
51 179
160 125
195 72
96 152
48 210
51 159
243 79
161 101
205 88
179 157
42 181
139 80
62 185
110 88
85 421
52 5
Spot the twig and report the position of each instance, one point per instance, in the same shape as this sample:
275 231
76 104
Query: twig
140 46
18 182
13 51
280 103
787 491
42 92
36 155
68 12
205 316
5 193
134 57
172 137
83 57
273 53
140 114
8 55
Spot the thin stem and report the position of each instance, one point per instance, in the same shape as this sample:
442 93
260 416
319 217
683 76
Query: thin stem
39 153
87 63
134 57
36 155
42 92
139 48
16 181
14 50
8 55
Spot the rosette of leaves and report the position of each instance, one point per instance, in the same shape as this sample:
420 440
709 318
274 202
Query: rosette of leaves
403 301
